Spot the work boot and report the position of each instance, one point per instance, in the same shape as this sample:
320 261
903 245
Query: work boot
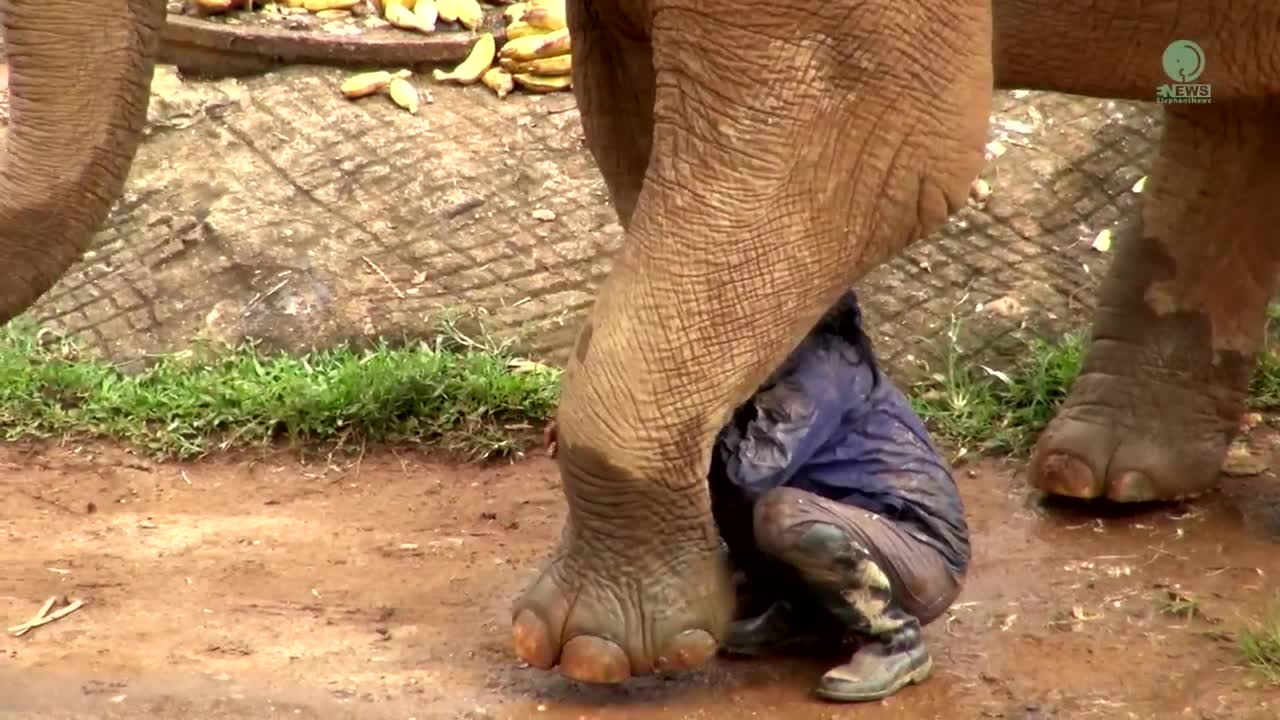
783 628
879 668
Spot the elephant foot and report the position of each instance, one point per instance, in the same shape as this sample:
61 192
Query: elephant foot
607 624
1129 432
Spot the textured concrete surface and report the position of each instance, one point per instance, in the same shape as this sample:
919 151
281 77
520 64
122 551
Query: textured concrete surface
272 208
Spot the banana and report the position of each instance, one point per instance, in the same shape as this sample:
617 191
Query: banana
403 94
531 47
470 70
406 19
499 81
293 3
554 65
316 6
470 14
547 18
448 10
358 86
513 12
519 29
426 12
543 83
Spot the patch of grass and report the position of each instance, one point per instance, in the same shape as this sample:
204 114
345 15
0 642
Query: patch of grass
1260 645
1178 605
981 409
463 393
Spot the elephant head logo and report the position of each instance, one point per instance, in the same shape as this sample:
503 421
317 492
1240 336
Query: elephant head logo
1183 61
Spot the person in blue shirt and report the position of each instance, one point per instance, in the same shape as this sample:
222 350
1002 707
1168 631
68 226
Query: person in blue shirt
839 512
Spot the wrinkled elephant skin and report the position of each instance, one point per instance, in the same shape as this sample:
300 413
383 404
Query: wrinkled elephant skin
79 81
762 158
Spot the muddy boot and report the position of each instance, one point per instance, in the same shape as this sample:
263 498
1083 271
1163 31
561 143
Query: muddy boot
879 668
786 626
854 590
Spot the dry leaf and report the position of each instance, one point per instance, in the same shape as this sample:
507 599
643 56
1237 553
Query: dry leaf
995 149
1142 182
1102 243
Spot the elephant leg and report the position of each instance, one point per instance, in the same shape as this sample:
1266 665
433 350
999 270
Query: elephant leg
614 78
1180 319
790 152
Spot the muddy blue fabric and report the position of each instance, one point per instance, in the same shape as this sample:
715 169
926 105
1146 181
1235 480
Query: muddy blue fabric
828 421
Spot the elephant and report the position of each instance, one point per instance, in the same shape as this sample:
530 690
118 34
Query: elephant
761 158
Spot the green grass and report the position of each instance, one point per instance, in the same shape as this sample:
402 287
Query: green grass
466 392
459 394
1260 645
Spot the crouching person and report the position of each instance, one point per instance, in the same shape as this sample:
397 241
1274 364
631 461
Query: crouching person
836 506
840 514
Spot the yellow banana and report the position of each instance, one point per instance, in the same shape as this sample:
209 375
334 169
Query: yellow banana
547 18
388 3
470 70
448 10
290 3
470 14
513 12
520 29
316 6
531 47
543 83
358 86
403 94
499 81
426 12
406 19
554 65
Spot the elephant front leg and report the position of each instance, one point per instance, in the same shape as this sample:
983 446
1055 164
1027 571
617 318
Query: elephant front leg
1180 318
761 162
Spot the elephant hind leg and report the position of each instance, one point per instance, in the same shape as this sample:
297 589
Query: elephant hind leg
1180 318
613 79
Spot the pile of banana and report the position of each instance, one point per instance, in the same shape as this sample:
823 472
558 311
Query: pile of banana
535 56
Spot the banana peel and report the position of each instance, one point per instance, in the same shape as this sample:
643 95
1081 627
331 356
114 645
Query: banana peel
426 12
554 65
406 19
404 94
470 14
447 10
532 47
316 6
519 29
473 68
543 83
367 83
513 12
547 18
499 81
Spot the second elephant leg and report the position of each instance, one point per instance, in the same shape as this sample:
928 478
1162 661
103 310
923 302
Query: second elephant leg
1180 317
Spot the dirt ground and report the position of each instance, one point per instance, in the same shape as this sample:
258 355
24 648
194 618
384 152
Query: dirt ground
262 585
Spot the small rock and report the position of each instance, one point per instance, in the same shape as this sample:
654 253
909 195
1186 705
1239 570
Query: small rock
1241 462
543 214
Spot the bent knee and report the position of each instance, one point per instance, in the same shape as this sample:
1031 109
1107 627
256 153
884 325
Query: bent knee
777 513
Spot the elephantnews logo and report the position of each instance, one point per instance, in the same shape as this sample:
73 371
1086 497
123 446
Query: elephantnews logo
1183 62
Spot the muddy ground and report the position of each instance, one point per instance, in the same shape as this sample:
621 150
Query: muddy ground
258 586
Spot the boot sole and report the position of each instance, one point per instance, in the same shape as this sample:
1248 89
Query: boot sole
912 678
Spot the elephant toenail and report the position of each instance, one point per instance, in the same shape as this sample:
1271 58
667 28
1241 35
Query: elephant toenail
532 640
1063 474
1131 487
594 660
687 651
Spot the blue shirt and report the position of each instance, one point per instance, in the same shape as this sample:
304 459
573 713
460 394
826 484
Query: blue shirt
829 422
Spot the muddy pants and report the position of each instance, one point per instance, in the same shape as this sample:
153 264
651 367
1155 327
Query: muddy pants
860 569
